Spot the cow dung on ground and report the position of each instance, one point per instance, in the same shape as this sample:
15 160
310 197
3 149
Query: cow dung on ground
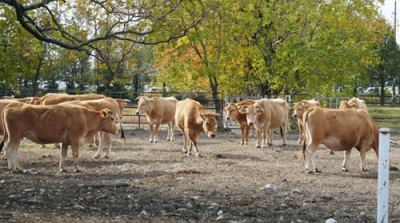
156 182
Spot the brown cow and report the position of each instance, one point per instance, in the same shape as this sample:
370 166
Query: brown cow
158 111
66 124
191 118
353 103
56 98
339 130
298 111
232 112
266 115
97 105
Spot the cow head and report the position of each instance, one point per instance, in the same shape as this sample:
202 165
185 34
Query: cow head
232 111
108 124
298 110
142 104
345 104
251 111
210 123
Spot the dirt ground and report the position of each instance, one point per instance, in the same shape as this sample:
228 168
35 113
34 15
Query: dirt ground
155 182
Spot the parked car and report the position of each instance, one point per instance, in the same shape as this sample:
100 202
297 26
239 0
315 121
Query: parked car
371 90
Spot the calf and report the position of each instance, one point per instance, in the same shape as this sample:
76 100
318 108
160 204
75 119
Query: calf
158 111
298 111
339 130
66 124
191 118
232 112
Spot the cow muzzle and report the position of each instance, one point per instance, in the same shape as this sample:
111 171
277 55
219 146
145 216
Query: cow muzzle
294 115
251 123
137 113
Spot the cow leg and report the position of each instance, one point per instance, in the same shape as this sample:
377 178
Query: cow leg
346 155
283 130
75 155
269 134
258 139
100 137
242 132
109 142
12 155
185 141
151 132
310 156
155 137
193 139
171 129
300 126
246 139
63 155
362 158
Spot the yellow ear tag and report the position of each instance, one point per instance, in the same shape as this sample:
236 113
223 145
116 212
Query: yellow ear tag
242 112
103 115
259 112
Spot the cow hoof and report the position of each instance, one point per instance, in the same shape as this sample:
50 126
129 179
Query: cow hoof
63 170
189 154
78 171
246 143
284 144
258 146
344 169
198 155
317 171
106 157
309 172
17 171
241 143
184 151
364 170
269 144
96 156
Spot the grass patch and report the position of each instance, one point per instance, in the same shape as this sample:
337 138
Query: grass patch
388 117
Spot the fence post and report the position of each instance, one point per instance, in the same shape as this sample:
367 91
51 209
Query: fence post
383 176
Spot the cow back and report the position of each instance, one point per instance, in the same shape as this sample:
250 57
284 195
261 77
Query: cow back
56 98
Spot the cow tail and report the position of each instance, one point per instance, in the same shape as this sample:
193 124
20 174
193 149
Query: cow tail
281 131
122 133
305 138
1 145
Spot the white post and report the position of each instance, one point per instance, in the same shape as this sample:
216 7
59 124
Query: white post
383 176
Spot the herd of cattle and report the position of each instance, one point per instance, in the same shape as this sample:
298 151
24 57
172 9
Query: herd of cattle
73 120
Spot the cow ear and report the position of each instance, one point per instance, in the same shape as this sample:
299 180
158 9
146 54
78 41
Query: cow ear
242 109
259 110
104 113
203 116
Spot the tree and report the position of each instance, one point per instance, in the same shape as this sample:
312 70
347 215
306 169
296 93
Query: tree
389 67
